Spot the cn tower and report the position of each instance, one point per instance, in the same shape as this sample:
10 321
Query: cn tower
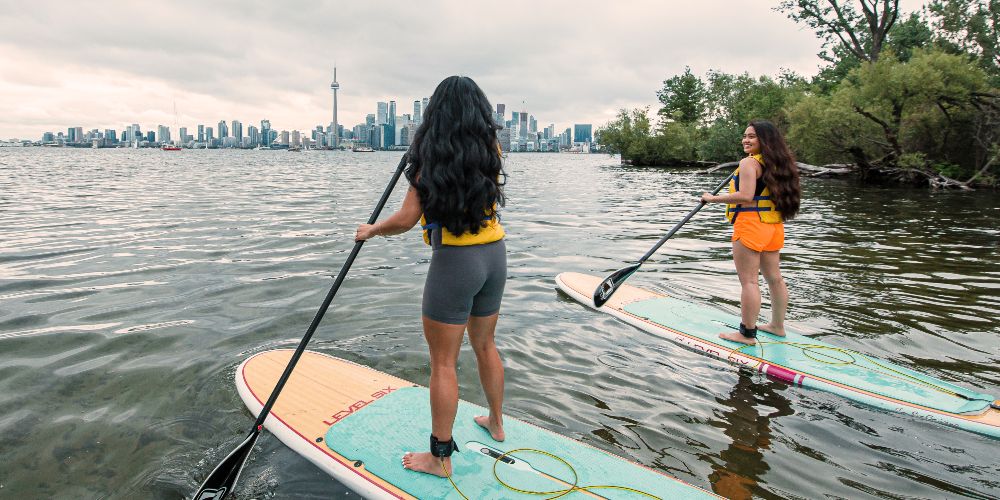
334 132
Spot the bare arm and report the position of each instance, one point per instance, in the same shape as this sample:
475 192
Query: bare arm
749 172
400 222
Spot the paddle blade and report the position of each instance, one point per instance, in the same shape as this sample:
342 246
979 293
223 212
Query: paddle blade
222 480
610 284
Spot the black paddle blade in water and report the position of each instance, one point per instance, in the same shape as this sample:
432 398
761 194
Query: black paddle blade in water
610 284
222 480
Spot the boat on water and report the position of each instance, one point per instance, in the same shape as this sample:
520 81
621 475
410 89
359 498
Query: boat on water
295 149
170 148
362 149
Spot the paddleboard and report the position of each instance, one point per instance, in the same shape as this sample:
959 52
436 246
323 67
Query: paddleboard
356 423
795 359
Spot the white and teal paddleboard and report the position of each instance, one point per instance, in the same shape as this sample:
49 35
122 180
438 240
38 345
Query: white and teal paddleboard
356 423
795 359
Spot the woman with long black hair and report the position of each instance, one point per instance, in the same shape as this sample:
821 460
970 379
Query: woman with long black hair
455 175
763 193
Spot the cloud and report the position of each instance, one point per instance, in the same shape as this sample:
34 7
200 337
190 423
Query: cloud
111 63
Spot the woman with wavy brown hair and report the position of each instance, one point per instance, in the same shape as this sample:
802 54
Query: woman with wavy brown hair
456 187
763 193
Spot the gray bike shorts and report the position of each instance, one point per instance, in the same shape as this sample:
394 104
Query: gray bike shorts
465 281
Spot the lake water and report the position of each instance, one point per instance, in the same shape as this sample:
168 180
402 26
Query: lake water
134 282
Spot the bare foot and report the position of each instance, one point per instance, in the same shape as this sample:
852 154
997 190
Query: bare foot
427 463
770 328
738 337
496 431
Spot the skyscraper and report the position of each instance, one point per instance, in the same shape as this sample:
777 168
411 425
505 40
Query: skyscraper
392 123
237 131
201 134
334 128
163 132
582 133
265 132
417 115
223 129
381 113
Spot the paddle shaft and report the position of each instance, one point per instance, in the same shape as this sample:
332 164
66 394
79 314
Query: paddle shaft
329 298
682 222
223 478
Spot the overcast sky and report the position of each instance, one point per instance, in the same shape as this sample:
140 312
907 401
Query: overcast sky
103 64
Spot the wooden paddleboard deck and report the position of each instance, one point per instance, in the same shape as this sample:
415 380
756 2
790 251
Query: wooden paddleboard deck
795 359
355 423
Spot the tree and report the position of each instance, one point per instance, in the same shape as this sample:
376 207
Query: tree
839 24
682 97
971 27
732 101
920 114
627 132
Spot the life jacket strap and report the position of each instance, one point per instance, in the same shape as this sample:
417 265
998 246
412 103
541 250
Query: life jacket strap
751 209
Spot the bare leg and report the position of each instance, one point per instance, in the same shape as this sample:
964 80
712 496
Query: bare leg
748 268
444 341
770 268
481 333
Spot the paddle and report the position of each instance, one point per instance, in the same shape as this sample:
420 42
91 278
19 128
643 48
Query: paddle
222 479
610 284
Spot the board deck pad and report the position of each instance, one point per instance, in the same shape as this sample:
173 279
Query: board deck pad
813 357
380 433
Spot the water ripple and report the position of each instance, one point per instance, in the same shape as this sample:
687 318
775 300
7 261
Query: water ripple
132 284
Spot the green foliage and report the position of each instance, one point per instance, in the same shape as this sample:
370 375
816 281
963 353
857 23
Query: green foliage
904 36
970 27
916 91
682 97
626 133
896 112
678 141
860 31
909 34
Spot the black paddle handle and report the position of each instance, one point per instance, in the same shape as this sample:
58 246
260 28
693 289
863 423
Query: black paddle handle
329 298
683 221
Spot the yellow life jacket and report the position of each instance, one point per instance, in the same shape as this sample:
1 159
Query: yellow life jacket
491 232
762 204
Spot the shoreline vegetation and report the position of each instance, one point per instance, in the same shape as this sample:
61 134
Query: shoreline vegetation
902 99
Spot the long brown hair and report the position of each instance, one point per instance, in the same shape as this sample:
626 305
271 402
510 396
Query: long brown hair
780 173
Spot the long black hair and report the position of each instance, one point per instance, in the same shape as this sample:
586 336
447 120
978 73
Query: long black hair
780 173
454 159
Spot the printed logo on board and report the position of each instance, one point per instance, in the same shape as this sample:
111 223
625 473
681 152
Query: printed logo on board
342 414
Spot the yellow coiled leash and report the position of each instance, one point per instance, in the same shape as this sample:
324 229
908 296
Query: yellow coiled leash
814 351
557 493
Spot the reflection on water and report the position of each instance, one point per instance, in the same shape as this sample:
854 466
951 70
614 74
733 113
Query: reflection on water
133 282
750 430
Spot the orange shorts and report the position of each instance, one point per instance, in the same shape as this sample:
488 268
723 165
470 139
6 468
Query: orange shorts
756 235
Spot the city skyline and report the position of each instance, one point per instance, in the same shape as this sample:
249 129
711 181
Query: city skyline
384 129
385 112
128 63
